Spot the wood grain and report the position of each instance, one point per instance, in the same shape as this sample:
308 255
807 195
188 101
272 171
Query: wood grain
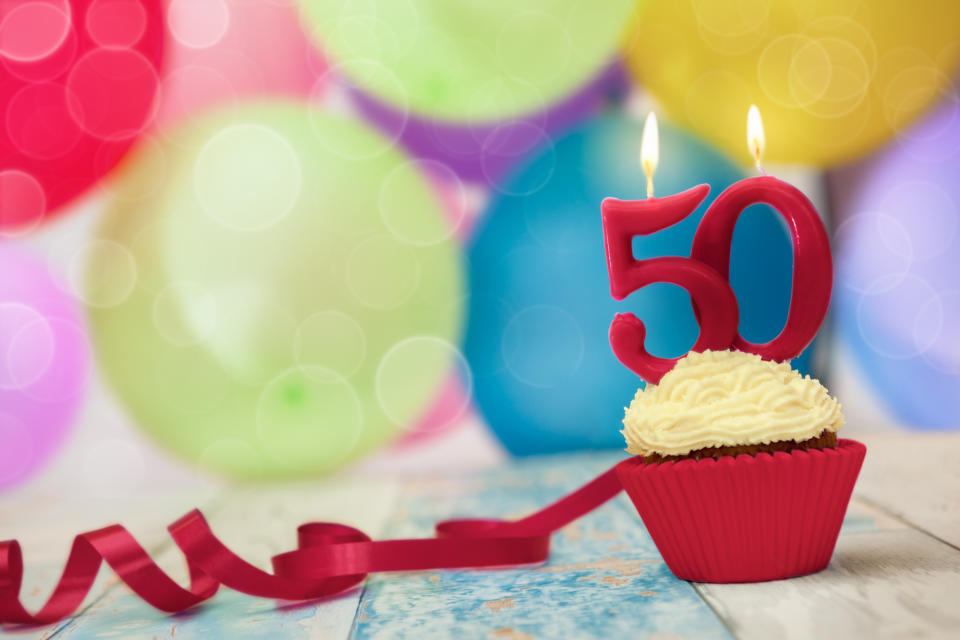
883 584
257 524
604 577
45 524
916 477
895 573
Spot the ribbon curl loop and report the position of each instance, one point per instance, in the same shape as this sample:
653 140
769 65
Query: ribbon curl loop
330 558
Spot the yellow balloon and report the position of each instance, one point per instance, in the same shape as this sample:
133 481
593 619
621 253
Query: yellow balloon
833 78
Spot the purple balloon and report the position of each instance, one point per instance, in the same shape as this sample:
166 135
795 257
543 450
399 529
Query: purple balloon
43 364
898 269
485 151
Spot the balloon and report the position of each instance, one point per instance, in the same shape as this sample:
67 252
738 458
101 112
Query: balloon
452 400
43 365
450 406
468 62
224 50
897 295
78 79
540 307
483 152
291 296
833 80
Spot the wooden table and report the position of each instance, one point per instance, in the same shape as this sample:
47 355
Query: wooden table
895 572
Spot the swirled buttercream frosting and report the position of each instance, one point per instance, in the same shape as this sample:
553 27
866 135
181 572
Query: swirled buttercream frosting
727 398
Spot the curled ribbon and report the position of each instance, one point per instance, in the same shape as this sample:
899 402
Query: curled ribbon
330 558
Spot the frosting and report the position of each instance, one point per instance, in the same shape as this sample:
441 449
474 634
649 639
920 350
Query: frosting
727 398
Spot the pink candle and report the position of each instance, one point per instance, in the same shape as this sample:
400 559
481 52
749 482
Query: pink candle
710 292
812 262
705 274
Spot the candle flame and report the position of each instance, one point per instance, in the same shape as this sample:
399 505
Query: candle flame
756 140
650 150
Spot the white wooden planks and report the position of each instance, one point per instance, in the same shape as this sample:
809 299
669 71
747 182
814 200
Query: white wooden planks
257 524
915 476
897 579
886 584
895 573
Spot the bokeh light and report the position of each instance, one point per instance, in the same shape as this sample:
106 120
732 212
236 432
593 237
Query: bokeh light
274 310
43 365
223 51
897 294
540 308
483 152
31 31
78 82
306 229
471 62
832 79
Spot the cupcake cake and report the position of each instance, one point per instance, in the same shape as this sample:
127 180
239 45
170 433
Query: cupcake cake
738 473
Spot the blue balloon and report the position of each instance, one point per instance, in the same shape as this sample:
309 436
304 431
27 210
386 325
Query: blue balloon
545 377
919 392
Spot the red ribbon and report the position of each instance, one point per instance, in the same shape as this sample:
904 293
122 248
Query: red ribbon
329 559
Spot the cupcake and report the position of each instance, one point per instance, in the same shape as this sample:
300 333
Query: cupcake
738 473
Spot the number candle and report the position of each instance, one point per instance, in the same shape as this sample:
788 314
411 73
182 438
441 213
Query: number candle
709 291
812 262
705 274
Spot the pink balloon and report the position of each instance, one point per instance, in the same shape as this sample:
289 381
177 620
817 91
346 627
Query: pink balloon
450 405
43 364
223 50
78 82
452 401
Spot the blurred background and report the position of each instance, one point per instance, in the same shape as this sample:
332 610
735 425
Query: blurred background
269 240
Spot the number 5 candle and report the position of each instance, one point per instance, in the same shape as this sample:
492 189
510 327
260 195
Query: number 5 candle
705 274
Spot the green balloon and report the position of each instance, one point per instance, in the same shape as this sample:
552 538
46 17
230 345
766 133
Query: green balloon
296 291
469 60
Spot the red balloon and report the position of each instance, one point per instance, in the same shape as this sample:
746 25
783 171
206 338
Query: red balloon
78 83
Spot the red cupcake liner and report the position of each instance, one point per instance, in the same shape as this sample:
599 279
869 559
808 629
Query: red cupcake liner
746 518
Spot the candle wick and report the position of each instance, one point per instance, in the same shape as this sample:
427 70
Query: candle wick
648 170
756 153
